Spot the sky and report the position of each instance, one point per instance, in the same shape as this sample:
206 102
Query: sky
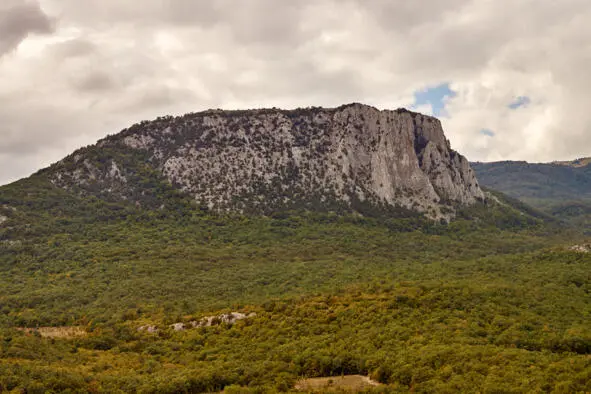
509 80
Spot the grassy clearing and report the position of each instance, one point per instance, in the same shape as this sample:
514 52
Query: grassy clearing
352 383
56 332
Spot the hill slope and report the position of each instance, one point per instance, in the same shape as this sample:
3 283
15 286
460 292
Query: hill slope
562 189
536 181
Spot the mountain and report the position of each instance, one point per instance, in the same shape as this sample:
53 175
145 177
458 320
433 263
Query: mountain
562 189
143 263
352 158
537 181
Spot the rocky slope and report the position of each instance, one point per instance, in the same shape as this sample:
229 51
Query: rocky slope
352 157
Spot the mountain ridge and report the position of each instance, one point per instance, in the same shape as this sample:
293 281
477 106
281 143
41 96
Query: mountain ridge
577 163
353 157
561 189
531 181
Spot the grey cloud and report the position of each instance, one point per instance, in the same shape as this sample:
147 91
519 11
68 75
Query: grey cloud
252 21
73 48
191 12
295 77
101 13
282 25
402 15
18 19
45 129
16 166
160 97
91 68
95 82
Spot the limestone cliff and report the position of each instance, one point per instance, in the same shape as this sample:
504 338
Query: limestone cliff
263 160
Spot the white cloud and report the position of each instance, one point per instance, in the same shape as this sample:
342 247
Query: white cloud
74 71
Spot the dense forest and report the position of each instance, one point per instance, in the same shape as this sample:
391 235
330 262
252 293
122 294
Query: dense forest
495 301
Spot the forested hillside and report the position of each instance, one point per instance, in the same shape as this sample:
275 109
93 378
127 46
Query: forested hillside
493 301
561 189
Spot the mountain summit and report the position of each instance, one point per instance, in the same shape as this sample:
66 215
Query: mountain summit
354 157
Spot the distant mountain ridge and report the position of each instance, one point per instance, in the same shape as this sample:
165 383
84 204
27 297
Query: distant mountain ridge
582 162
537 181
354 157
561 189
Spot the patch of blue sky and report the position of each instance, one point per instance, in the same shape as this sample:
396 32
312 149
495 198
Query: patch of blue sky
435 97
521 101
487 132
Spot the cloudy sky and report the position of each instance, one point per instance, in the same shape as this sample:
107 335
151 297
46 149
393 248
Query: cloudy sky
509 79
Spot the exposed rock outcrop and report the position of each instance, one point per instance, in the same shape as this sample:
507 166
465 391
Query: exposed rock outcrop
225 318
349 157
207 321
148 328
584 248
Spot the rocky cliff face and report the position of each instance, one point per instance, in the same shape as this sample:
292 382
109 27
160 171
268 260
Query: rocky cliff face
260 160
